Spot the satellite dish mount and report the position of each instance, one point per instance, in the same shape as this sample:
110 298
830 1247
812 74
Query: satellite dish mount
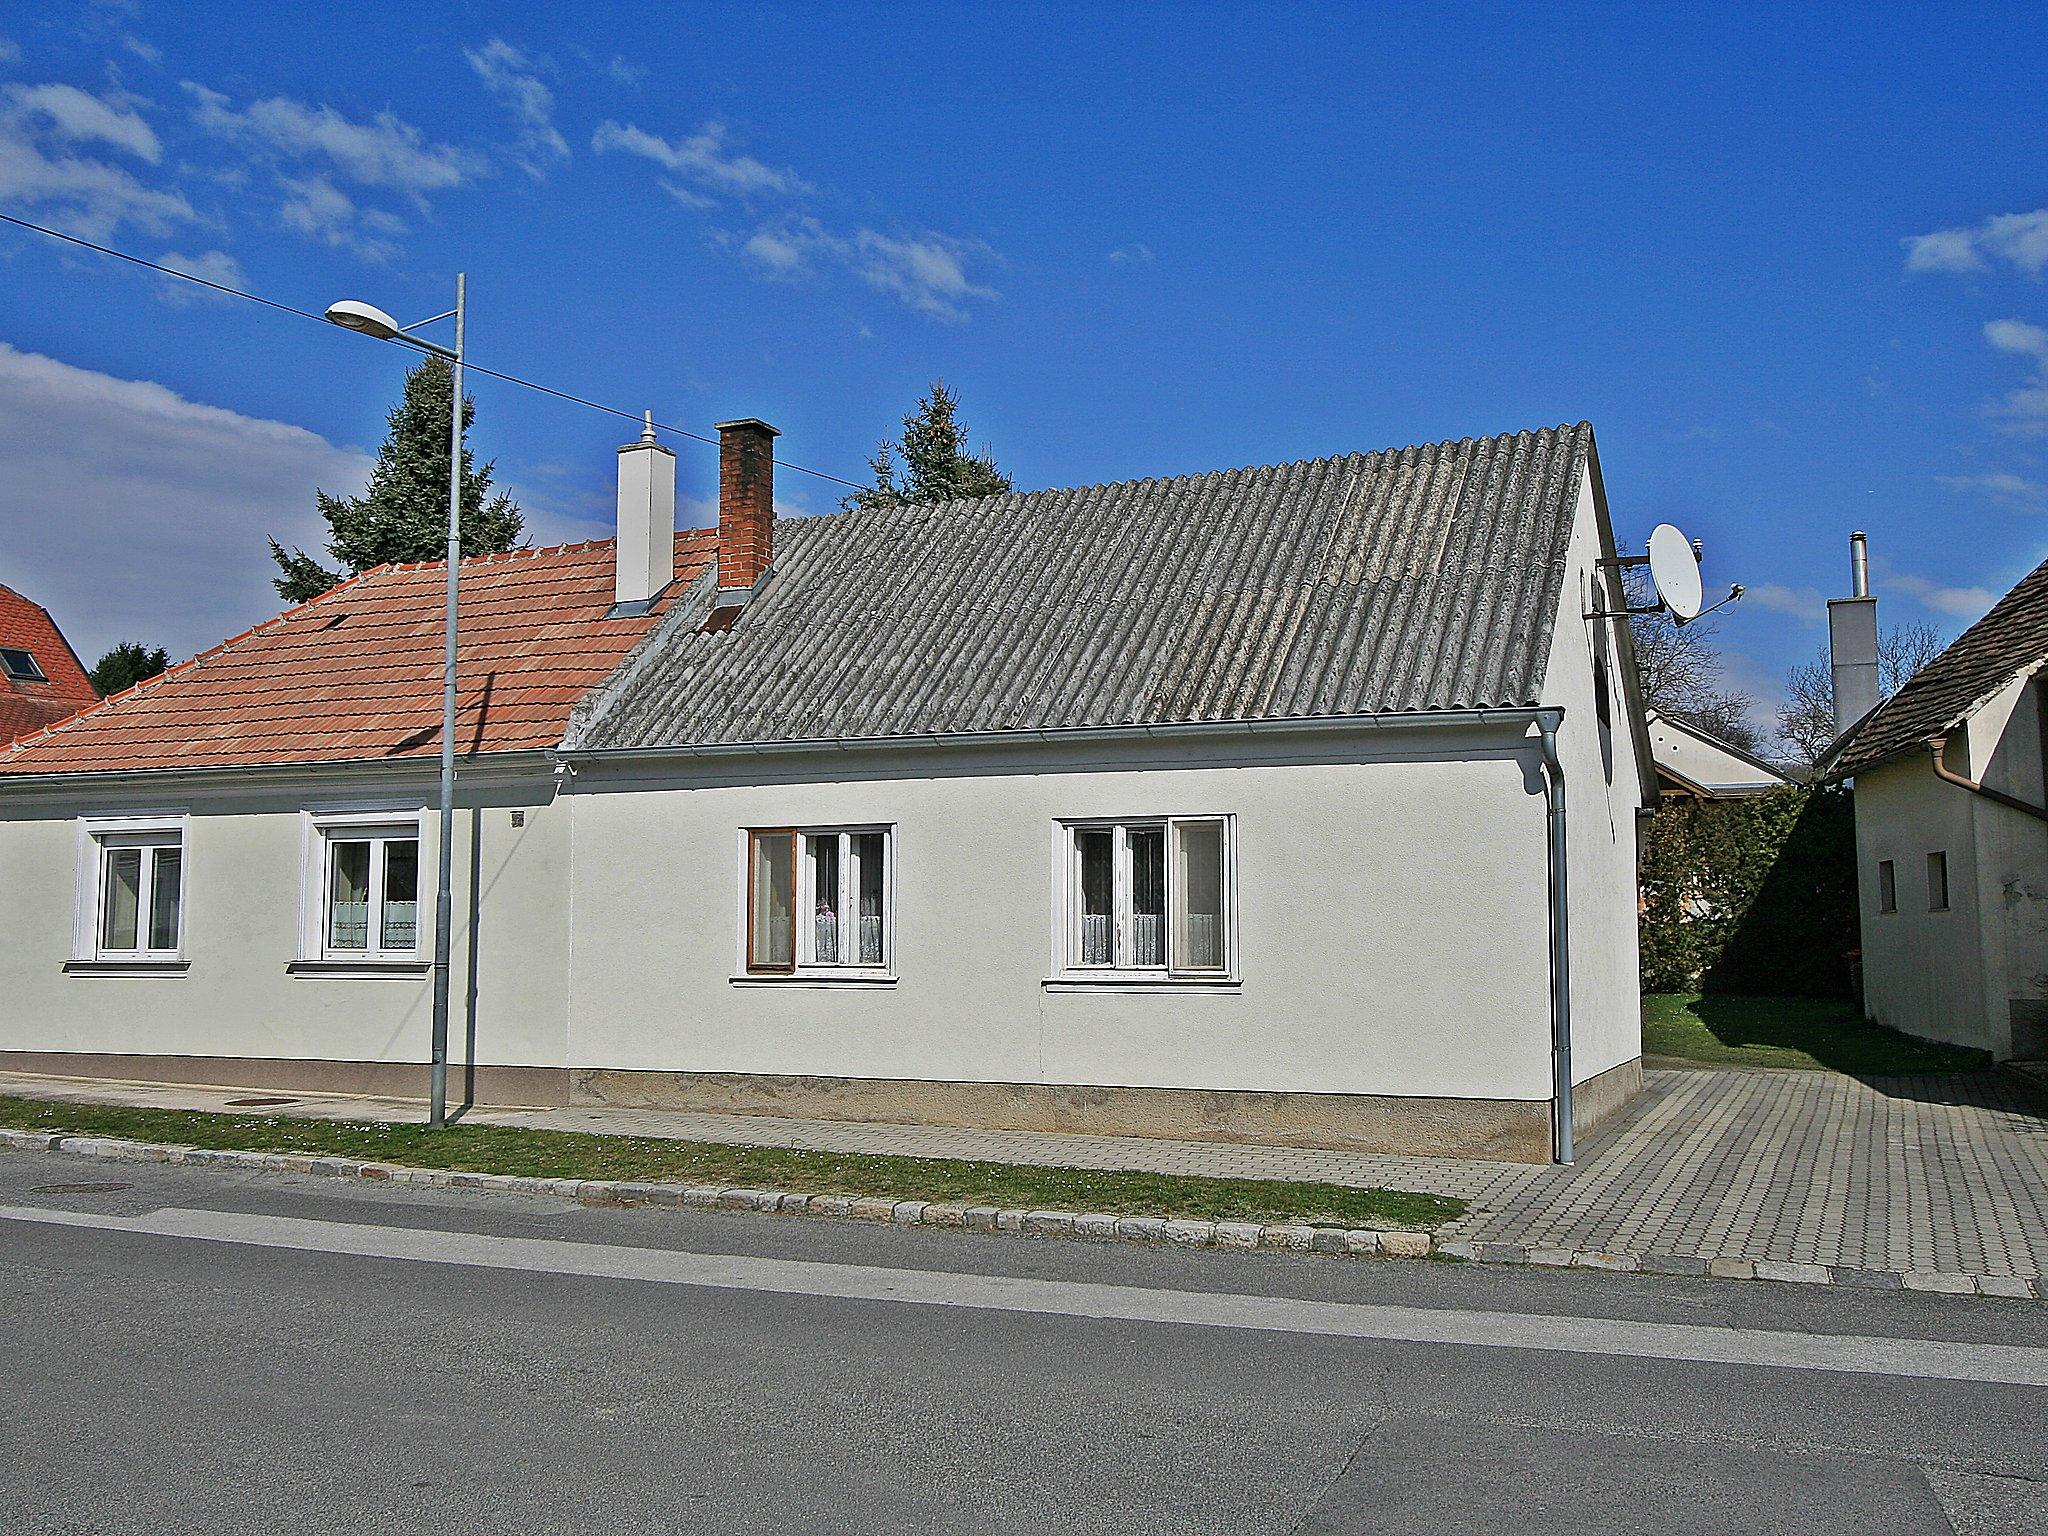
1674 562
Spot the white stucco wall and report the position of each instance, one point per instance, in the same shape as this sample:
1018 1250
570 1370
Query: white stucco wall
1391 912
1603 792
242 894
1976 974
1703 763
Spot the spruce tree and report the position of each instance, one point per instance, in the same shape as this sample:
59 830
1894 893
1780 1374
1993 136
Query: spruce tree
936 463
403 511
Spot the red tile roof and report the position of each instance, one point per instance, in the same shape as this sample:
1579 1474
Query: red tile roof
27 705
355 675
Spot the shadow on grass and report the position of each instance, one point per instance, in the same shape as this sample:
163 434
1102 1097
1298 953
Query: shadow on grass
1798 1032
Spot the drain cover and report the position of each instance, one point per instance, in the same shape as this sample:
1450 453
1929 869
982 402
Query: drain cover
260 1099
107 1187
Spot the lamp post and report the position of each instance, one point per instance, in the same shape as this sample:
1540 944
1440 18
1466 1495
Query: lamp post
371 321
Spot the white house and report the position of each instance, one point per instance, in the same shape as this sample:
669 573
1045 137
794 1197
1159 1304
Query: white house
1294 804
1951 846
1699 765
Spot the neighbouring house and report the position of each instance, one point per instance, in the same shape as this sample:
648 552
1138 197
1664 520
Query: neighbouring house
1293 804
1695 764
41 680
1951 846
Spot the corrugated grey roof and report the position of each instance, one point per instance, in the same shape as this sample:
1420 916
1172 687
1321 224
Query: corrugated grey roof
1415 579
2011 638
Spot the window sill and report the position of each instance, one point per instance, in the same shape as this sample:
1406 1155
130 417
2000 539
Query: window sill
113 967
1140 981
829 980
394 968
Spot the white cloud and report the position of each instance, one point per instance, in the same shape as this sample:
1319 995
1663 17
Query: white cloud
319 210
80 193
2001 485
213 266
10 51
165 504
928 272
1132 255
1958 602
385 151
2020 239
703 157
625 72
510 75
79 117
2024 409
142 48
1802 603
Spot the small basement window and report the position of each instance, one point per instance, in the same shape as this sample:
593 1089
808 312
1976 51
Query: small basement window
819 901
1937 882
1887 886
1150 898
21 665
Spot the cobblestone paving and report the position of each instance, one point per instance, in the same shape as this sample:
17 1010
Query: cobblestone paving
1934 1174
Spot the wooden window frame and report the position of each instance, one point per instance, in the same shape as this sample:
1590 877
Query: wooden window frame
803 962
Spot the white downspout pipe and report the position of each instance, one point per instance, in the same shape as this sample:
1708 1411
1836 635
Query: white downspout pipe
1547 722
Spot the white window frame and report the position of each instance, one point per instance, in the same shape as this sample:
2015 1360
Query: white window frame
97 836
1068 965
377 827
846 902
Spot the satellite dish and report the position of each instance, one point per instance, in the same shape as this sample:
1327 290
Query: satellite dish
1676 571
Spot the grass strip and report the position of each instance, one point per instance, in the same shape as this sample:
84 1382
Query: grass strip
583 1155
1803 1033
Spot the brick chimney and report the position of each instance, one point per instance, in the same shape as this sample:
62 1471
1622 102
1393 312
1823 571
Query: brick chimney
647 522
746 507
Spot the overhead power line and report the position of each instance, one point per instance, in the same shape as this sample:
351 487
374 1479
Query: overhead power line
306 314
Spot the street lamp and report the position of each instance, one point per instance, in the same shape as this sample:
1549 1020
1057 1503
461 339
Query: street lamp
368 320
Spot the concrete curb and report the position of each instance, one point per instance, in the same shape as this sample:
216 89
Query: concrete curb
1095 1226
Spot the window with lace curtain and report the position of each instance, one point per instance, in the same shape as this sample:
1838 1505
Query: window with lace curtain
1150 897
818 900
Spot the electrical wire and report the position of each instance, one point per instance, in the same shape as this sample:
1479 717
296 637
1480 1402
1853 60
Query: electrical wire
307 314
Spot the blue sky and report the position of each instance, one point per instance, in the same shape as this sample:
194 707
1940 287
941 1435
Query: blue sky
1791 266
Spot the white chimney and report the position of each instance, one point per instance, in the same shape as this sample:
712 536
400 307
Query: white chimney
1852 641
647 520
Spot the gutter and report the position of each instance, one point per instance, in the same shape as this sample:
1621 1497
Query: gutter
1193 730
1548 721
478 764
1936 745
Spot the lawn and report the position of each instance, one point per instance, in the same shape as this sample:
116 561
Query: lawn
580 1155
1809 1034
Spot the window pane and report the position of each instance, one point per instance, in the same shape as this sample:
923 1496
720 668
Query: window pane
1937 882
772 944
123 898
1198 880
348 895
824 857
166 873
1148 895
867 894
1887 887
1093 846
401 893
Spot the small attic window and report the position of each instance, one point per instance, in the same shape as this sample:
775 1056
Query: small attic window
21 666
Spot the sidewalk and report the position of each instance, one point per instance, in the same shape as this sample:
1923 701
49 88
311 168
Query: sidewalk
1874 1180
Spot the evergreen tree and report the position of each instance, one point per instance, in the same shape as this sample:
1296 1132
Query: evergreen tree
936 465
125 665
403 511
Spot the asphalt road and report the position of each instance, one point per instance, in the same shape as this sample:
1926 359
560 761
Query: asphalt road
205 1351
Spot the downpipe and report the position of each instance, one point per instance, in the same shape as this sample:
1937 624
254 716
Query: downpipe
1547 722
1938 746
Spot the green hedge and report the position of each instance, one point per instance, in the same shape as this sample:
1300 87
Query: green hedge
1750 896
